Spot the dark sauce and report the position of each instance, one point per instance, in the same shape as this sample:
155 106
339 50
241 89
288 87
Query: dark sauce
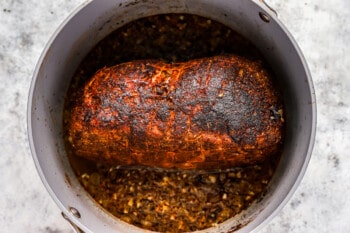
168 200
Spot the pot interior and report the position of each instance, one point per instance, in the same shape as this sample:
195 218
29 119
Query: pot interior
95 20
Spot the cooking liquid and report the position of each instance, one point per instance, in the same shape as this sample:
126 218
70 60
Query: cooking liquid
157 199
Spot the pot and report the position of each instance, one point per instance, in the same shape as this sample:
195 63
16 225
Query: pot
96 19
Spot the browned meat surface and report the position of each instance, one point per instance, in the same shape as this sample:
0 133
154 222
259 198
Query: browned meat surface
207 113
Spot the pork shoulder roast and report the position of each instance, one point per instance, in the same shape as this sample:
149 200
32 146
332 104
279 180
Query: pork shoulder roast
208 113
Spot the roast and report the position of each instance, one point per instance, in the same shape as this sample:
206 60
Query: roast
209 113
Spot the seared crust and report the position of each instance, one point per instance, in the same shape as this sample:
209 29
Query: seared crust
208 113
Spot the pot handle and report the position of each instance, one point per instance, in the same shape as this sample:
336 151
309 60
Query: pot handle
75 227
273 11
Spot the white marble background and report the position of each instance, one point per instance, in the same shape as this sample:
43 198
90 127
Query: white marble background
322 202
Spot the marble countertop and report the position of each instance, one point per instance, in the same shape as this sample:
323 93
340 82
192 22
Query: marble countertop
321 203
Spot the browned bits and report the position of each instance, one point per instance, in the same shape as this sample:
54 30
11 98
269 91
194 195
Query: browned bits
174 200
